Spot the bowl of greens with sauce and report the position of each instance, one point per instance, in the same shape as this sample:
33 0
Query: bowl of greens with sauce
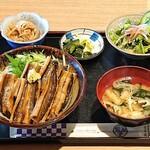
130 35
82 43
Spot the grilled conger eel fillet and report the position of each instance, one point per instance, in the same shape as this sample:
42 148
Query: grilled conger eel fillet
26 103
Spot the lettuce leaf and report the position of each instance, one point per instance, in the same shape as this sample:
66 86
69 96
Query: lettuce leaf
18 63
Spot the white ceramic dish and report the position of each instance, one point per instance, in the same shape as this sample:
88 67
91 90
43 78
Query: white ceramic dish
83 33
116 23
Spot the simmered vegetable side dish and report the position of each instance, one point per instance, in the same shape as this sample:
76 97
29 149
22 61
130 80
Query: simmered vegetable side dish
23 31
78 48
35 88
127 100
133 36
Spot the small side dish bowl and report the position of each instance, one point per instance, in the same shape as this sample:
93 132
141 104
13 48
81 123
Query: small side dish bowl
130 35
22 29
124 110
82 43
63 87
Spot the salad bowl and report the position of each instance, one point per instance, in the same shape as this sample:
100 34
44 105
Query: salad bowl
130 35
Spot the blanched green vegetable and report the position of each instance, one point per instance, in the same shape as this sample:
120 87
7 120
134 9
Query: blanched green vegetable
142 93
87 54
76 48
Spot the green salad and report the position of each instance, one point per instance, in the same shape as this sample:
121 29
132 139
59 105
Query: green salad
81 48
133 36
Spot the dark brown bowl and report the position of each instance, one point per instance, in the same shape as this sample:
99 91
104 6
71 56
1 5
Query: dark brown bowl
57 53
123 71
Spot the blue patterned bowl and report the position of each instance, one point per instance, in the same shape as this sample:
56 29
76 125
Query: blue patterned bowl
40 22
93 36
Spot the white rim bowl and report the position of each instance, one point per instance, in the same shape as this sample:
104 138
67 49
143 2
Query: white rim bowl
114 24
93 36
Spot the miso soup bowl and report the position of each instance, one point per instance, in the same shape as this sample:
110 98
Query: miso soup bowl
110 76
